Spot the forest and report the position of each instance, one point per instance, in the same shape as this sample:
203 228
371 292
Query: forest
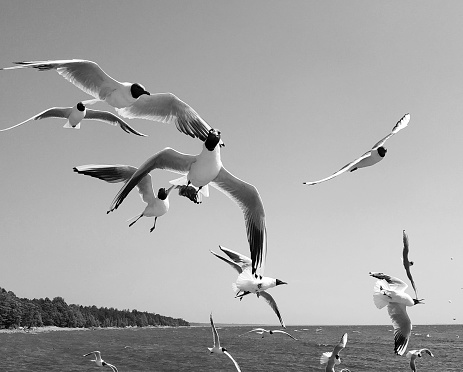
21 312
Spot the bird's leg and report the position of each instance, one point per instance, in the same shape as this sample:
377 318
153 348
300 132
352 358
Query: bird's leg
154 226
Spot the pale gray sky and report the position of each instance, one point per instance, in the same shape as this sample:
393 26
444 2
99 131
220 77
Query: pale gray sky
298 89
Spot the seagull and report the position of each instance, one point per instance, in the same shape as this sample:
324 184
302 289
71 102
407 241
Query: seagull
156 206
199 171
376 154
390 292
131 100
332 358
408 263
217 349
413 354
76 114
262 331
100 362
248 283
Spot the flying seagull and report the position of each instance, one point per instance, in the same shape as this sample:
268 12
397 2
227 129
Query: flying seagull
332 358
100 362
131 100
156 206
199 171
262 331
247 283
376 154
408 263
390 292
413 354
217 349
76 114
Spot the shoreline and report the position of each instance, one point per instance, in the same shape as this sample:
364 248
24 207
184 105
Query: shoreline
47 329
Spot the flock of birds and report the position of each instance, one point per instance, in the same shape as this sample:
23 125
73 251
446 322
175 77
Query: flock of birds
132 100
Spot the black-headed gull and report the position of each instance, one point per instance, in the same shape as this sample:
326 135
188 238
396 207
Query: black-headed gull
413 354
390 292
76 114
200 170
407 263
332 358
131 100
156 206
376 154
217 349
262 331
100 362
247 283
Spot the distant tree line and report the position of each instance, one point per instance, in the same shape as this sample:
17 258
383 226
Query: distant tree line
22 312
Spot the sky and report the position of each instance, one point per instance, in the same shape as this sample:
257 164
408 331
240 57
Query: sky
298 89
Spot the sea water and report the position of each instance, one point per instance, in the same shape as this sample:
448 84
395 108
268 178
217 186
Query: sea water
369 348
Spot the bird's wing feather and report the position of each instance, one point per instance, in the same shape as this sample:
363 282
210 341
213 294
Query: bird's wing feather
231 263
401 124
406 262
54 112
286 333
394 283
238 258
233 360
167 159
427 351
250 202
167 108
341 345
342 170
273 305
215 334
402 326
110 118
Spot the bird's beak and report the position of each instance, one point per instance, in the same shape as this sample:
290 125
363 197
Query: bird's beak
279 282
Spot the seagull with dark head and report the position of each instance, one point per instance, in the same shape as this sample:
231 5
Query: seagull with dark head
263 331
217 349
200 171
247 283
76 114
390 292
332 358
100 362
131 100
156 206
413 354
375 155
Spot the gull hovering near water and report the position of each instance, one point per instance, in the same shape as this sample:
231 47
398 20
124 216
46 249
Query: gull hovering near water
376 154
413 354
332 358
100 362
156 206
199 171
217 349
247 283
262 331
407 263
390 292
131 100
76 114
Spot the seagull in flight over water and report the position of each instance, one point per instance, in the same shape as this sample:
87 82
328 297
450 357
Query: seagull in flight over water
199 171
390 292
248 283
100 362
131 100
217 349
76 114
376 154
262 331
413 354
408 263
156 206
332 358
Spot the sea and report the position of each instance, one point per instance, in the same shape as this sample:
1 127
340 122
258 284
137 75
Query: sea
369 348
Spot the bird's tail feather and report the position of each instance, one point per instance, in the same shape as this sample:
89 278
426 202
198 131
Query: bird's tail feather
68 125
325 357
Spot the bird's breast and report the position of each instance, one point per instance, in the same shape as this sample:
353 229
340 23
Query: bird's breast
205 168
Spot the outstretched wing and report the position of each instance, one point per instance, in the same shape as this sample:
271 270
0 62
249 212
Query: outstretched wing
401 124
233 360
394 283
341 345
54 112
168 108
345 168
273 305
231 263
402 326
215 334
110 118
285 333
407 263
250 202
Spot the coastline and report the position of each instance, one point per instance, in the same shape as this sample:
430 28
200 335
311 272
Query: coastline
47 329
